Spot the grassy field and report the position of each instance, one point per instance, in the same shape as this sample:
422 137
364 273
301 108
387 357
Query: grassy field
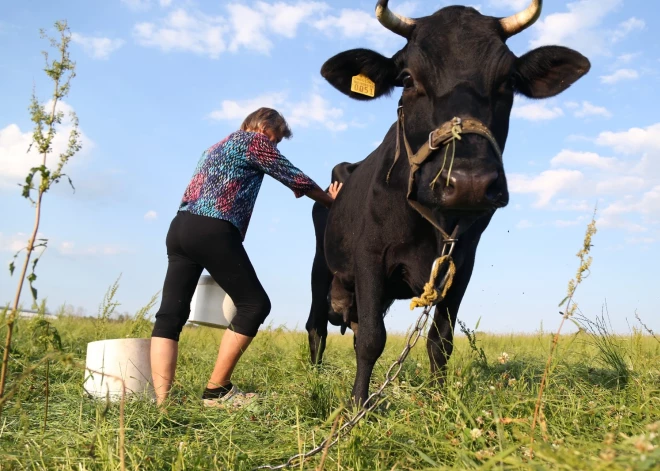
601 407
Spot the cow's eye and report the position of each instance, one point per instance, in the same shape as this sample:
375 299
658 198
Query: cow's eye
506 86
408 81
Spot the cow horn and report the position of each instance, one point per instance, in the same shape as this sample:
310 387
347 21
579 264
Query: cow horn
398 24
516 23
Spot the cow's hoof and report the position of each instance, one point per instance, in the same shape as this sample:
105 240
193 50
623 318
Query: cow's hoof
439 381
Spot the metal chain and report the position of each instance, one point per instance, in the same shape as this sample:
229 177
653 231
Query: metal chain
371 402
374 399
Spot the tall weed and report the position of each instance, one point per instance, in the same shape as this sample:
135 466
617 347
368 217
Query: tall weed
611 353
569 312
472 339
140 325
106 309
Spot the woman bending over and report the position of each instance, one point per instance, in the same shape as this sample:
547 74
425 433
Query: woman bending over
208 233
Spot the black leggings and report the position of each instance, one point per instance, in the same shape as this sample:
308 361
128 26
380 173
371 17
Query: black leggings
195 243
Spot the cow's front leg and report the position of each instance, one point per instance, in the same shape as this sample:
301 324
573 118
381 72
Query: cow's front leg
370 339
440 343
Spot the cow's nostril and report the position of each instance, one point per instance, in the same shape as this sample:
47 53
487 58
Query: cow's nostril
445 182
494 188
449 188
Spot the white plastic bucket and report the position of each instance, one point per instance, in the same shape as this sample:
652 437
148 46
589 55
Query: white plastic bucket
210 305
109 360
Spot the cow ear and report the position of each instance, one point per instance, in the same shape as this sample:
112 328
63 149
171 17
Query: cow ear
340 70
549 70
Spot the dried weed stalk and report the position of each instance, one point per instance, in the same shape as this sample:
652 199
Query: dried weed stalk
569 311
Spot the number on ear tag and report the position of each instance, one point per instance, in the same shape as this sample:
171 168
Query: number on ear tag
363 85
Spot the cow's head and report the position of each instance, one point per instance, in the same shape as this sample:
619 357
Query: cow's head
456 64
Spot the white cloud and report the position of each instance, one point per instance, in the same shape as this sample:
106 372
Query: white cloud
618 185
182 31
579 27
16 161
71 249
97 47
617 214
536 111
587 109
244 27
627 27
284 19
151 215
15 242
516 5
315 110
640 240
524 224
619 75
254 27
627 58
232 110
560 223
564 204
354 24
249 29
250 26
137 5
144 5
637 141
570 222
583 159
627 189
545 185
633 141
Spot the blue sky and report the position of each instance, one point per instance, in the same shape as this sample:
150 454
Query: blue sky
161 80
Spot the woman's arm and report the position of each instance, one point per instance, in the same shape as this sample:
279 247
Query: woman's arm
326 199
263 154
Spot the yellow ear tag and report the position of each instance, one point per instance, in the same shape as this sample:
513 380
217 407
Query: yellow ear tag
363 85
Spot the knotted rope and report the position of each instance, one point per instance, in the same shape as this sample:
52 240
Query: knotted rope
430 294
456 131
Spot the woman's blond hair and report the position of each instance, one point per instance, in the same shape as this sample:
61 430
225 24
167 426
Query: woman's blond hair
267 118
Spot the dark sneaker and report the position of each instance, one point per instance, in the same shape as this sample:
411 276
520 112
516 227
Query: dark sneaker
234 398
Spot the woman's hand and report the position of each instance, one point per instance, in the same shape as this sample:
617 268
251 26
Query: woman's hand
326 199
333 191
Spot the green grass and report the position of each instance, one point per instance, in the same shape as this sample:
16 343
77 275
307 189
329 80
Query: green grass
481 420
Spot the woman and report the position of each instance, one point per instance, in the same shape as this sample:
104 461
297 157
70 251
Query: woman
208 233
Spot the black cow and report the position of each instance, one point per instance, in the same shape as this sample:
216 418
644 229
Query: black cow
379 240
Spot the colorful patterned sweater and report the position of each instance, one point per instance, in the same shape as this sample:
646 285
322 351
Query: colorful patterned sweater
229 174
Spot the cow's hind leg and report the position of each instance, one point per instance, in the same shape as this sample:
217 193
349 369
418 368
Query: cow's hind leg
317 323
371 336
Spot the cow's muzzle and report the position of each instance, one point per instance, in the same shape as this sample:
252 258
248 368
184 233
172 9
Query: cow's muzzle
473 190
